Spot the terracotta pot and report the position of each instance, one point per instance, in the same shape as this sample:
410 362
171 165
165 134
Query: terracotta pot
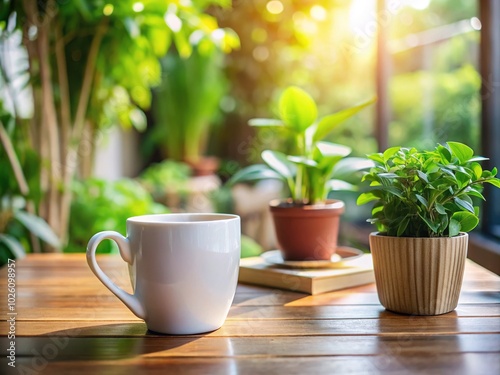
307 232
204 166
419 276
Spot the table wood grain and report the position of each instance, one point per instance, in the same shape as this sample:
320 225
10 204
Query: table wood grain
67 322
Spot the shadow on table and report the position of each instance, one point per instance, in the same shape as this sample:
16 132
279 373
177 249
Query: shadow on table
102 342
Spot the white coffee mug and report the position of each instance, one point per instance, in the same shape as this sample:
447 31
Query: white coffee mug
184 269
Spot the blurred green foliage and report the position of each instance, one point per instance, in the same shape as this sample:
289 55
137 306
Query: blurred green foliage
104 205
164 177
187 103
452 112
137 35
20 228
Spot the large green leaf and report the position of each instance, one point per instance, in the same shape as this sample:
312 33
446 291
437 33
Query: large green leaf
13 245
303 161
494 182
297 109
465 219
38 227
279 162
366 197
333 149
464 204
463 152
253 173
349 169
336 185
330 122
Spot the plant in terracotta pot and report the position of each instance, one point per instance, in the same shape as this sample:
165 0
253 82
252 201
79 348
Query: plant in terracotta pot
423 208
307 222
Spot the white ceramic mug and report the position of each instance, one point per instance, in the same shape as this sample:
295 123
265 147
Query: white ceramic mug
184 269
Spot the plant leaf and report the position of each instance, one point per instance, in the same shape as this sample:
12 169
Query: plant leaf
453 228
494 182
422 200
336 185
402 226
366 197
279 162
38 227
348 169
390 152
265 122
333 149
464 204
303 160
476 193
466 220
253 173
297 109
433 226
463 152
377 157
13 245
477 169
440 208
422 176
330 122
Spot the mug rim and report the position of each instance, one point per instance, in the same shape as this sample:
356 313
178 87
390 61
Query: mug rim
149 219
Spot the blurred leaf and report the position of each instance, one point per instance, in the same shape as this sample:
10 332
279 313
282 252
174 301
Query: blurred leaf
38 227
13 245
328 123
279 162
252 173
297 109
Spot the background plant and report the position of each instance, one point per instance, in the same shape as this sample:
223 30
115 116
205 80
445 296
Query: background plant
187 103
122 199
89 64
315 167
426 193
20 228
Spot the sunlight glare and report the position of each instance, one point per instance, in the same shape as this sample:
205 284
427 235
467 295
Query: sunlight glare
108 9
361 15
318 13
173 22
475 23
138 7
275 7
419 4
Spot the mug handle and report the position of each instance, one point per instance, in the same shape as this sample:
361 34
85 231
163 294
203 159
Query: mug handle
131 301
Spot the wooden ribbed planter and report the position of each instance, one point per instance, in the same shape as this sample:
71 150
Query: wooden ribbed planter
419 276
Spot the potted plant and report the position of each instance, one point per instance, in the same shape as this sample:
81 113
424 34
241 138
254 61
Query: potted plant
423 209
306 223
188 100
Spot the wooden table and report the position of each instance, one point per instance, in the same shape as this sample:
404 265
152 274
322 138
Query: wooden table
68 323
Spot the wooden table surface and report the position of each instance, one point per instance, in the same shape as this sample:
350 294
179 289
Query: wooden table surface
67 322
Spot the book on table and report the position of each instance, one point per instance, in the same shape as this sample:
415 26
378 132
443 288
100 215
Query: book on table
356 272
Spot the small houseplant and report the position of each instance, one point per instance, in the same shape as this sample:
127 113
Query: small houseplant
423 209
307 222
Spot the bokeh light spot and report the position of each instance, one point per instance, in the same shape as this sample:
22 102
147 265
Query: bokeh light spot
275 7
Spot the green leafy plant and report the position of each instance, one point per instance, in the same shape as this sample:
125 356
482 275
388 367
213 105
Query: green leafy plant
187 103
426 193
315 167
164 177
16 225
89 67
105 205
